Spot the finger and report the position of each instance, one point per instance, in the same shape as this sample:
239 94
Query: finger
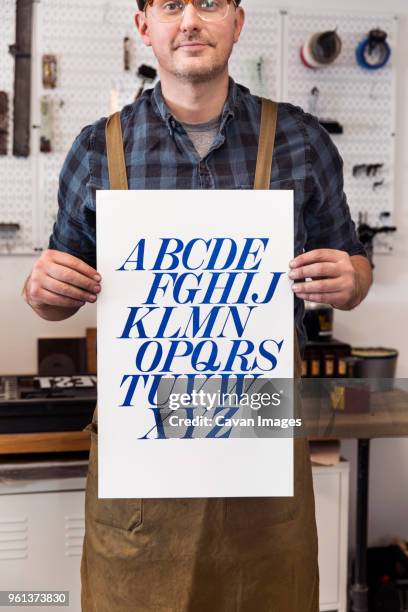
322 298
70 261
52 299
72 277
317 270
318 286
64 290
316 256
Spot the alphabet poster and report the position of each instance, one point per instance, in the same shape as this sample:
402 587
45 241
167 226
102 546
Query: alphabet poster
195 343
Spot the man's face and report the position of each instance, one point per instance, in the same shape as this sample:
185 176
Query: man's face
191 49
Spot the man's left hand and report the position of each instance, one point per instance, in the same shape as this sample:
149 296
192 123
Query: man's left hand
338 279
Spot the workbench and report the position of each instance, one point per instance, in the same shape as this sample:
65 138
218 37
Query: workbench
387 417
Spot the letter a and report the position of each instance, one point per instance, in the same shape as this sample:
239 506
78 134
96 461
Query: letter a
138 260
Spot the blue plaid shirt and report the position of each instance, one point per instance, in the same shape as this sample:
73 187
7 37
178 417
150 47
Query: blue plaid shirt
160 155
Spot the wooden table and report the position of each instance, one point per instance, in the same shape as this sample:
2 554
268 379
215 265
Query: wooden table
50 442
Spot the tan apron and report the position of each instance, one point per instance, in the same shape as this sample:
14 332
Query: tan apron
209 555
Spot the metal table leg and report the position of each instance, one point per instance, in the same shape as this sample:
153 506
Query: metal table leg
359 590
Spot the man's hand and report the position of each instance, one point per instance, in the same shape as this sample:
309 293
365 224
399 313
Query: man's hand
337 279
60 284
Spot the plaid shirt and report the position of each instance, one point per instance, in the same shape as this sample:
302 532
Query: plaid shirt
160 155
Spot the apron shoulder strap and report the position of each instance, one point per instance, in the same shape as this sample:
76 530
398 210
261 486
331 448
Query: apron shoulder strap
266 144
263 175
115 153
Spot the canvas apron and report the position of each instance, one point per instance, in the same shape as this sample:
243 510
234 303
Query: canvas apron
210 555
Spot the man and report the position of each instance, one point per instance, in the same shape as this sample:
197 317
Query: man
198 129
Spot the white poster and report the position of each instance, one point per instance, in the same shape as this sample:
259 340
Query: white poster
195 343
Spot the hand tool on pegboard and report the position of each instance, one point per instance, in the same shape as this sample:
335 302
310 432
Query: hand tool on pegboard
366 234
367 169
46 109
321 49
21 51
331 125
126 53
147 74
4 122
373 52
49 71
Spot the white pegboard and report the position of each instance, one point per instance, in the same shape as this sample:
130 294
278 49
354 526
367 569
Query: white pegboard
17 202
362 101
87 38
7 37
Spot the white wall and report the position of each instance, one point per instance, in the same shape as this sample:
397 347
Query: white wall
380 320
20 326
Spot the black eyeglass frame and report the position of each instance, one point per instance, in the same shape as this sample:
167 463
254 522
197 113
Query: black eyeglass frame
151 2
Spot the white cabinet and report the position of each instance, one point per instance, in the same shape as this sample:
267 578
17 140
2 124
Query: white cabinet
42 526
331 487
41 534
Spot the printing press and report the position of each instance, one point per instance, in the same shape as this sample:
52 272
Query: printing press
31 404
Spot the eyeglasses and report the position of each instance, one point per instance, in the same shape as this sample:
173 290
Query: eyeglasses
167 11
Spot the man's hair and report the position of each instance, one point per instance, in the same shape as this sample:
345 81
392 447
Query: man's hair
142 3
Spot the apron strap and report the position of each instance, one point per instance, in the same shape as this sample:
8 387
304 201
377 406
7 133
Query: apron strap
266 144
115 153
263 175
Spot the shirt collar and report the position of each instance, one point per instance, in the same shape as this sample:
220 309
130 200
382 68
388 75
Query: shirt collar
164 112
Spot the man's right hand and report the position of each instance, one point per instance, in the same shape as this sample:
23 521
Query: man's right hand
60 283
